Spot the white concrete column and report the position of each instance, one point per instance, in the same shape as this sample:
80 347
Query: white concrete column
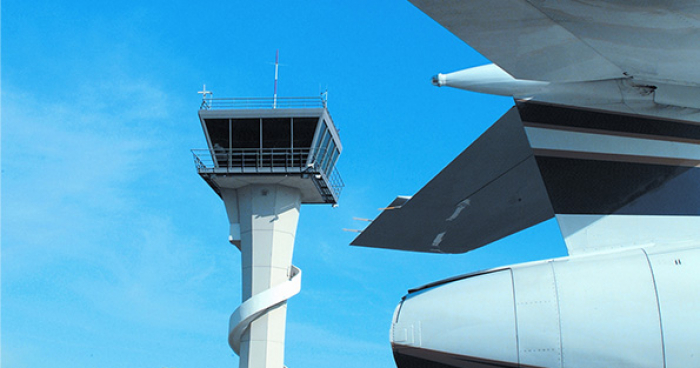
268 216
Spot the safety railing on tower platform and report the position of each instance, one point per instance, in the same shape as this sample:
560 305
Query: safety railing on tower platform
263 103
336 182
267 160
250 158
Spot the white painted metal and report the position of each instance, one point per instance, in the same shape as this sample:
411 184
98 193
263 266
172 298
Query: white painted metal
677 279
489 79
230 198
473 317
537 311
277 68
561 140
267 217
599 310
585 234
608 311
260 304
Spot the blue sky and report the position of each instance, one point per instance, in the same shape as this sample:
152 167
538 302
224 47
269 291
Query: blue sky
114 251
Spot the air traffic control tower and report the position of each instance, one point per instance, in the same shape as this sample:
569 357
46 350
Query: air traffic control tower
265 158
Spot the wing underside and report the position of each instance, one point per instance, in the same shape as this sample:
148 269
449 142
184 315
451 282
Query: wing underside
489 191
571 40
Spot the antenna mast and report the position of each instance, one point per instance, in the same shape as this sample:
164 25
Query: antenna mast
277 64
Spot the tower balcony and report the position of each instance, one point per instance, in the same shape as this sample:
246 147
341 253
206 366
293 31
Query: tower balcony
291 167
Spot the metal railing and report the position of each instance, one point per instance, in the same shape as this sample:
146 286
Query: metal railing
336 183
250 158
263 103
265 160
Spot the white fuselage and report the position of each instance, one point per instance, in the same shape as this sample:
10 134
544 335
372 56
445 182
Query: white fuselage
631 308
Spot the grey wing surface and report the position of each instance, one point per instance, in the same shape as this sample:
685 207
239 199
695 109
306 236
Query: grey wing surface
567 40
491 190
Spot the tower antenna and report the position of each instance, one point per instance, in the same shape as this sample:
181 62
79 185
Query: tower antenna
277 65
204 94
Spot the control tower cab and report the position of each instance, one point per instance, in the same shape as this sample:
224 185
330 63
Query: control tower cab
295 144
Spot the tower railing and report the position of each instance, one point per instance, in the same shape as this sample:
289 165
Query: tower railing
266 160
336 182
249 158
263 103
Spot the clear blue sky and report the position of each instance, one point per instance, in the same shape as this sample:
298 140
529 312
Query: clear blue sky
114 251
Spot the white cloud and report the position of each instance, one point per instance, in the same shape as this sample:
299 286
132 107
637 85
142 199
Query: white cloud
85 248
66 170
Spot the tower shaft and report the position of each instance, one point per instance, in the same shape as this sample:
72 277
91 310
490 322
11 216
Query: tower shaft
263 225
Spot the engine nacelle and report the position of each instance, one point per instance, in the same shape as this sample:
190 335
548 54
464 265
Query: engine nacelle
637 308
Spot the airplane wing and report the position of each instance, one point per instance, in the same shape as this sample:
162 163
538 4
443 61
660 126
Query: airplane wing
572 40
605 135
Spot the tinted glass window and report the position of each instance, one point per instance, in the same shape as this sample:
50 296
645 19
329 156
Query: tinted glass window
304 129
245 133
331 163
277 133
323 148
321 137
218 132
329 153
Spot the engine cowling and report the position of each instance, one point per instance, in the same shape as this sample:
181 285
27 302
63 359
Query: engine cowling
588 311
